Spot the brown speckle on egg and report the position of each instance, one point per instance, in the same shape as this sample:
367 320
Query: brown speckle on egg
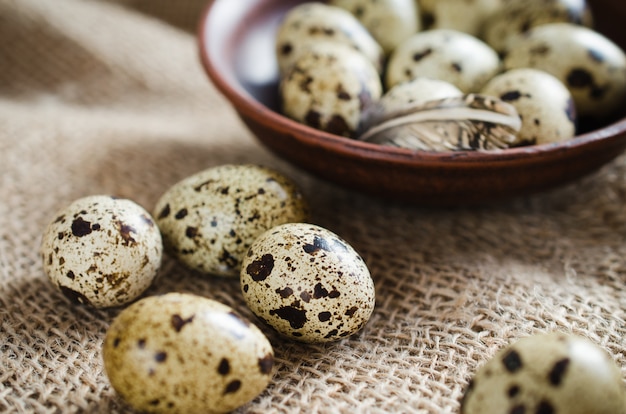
224 367
80 227
160 357
165 211
296 317
579 78
232 387
421 55
558 371
266 363
178 322
260 269
512 361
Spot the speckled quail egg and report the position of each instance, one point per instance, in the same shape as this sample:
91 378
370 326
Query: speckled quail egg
389 21
518 16
328 87
183 353
466 16
102 251
307 283
550 373
590 65
448 55
311 23
542 101
209 220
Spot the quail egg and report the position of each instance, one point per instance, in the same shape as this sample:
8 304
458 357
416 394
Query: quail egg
466 16
448 55
542 101
311 23
518 16
417 91
182 353
328 87
209 220
307 283
389 21
547 373
102 251
590 65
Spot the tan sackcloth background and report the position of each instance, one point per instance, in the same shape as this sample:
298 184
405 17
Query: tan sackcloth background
103 97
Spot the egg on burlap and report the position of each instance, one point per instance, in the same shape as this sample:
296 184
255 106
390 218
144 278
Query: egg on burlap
307 283
102 251
183 353
208 220
551 373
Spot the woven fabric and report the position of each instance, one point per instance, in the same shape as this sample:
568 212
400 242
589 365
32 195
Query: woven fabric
109 97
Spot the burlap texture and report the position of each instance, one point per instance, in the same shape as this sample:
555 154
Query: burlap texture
102 97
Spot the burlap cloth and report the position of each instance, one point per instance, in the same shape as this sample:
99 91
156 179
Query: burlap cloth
102 97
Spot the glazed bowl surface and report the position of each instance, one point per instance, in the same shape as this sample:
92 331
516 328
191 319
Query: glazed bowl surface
236 40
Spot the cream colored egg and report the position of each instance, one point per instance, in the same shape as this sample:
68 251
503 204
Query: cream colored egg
307 283
542 101
447 55
209 220
547 373
328 87
468 16
182 353
518 16
417 91
311 23
389 21
590 65
102 251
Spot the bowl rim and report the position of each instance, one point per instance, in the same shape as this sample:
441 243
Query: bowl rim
248 106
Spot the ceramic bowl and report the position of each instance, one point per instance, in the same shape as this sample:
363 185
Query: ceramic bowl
236 41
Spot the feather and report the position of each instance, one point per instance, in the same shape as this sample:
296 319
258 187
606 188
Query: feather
468 123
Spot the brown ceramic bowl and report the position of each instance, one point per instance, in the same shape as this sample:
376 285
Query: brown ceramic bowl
237 50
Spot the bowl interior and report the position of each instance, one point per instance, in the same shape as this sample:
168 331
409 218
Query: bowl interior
237 49
242 36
